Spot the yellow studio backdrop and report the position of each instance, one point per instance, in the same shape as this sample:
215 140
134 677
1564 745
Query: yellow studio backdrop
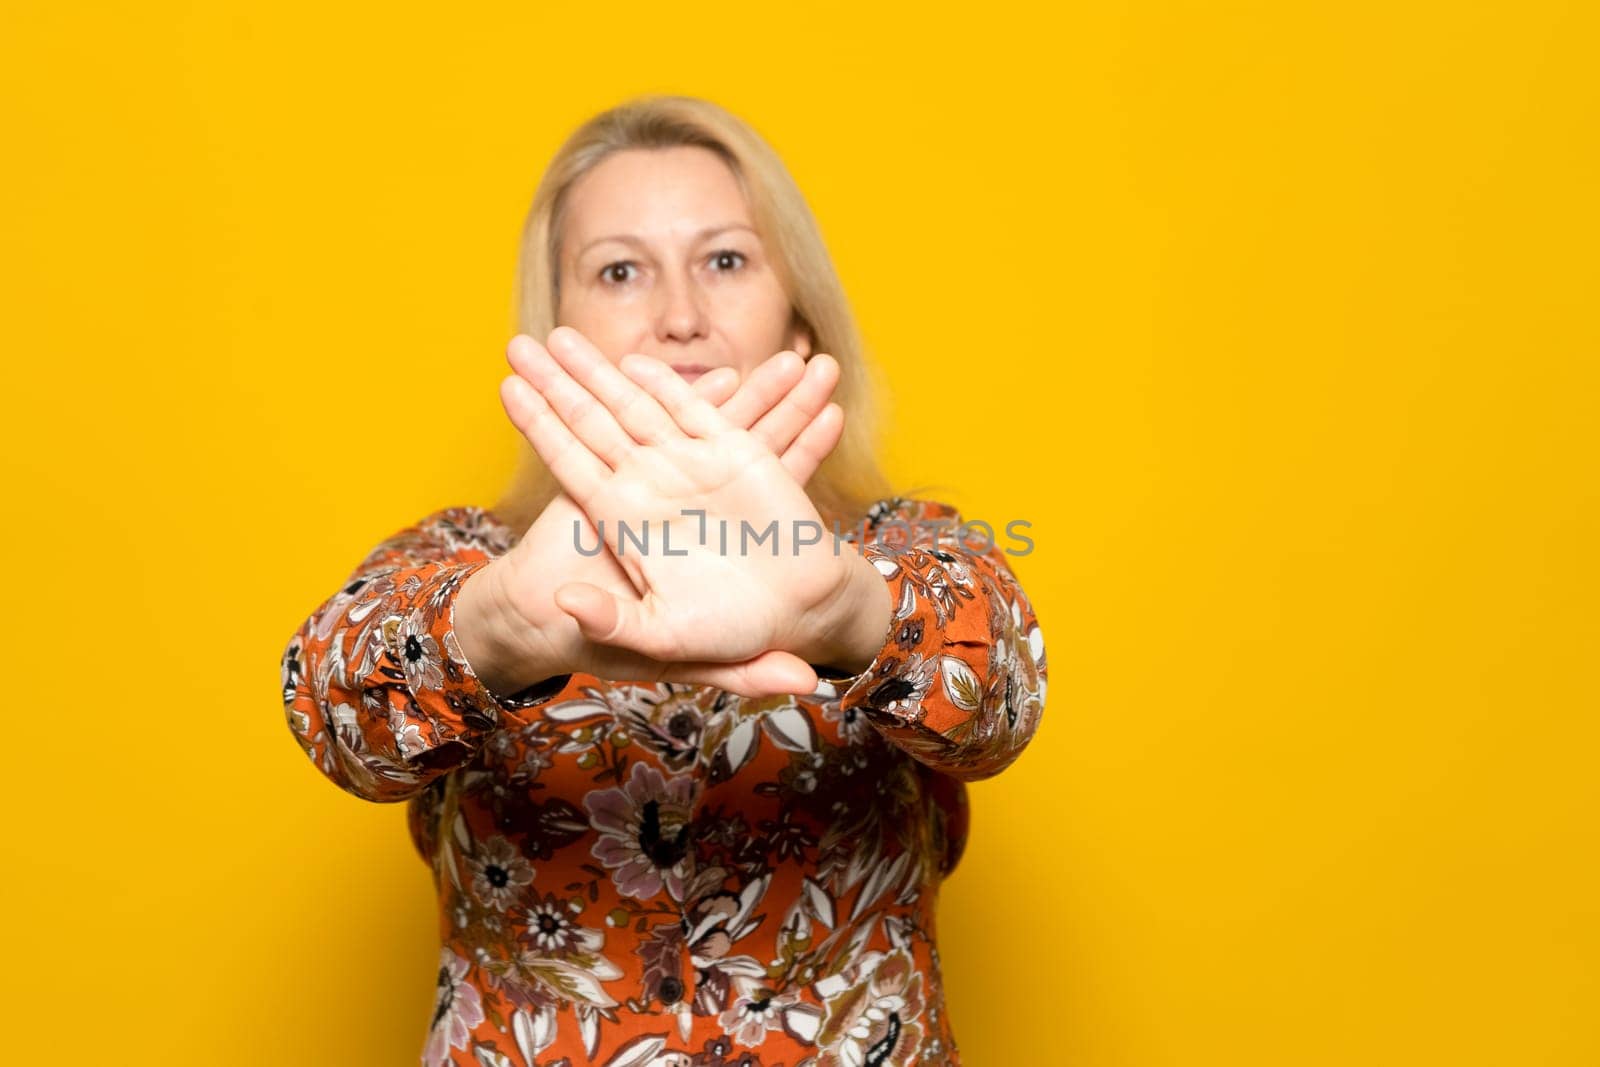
1277 321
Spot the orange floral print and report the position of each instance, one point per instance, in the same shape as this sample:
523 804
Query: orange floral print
643 875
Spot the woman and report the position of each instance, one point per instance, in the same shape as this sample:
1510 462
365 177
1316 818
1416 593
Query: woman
684 804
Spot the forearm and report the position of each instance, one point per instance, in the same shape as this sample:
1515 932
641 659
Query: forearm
960 684
377 690
374 687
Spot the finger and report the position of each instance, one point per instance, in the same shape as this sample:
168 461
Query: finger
694 415
578 469
764 387
793 411
814 444
588 419
634 409
770 674
718 386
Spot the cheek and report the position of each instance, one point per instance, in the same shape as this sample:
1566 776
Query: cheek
757 330
614 329
758 317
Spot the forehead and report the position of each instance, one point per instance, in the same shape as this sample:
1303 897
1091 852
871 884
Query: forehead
658 194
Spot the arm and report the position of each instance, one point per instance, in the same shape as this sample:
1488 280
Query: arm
959 681
375 687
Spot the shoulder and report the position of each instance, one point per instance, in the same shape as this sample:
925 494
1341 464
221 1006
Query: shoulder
913 518
449 531
470 526
905 508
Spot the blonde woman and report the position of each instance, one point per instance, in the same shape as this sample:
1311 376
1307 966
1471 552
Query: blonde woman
683 720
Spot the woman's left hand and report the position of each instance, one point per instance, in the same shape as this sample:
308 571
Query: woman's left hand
634 445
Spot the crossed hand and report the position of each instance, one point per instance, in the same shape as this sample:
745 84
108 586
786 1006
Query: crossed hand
704 601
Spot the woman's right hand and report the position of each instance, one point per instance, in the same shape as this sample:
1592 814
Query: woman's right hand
507 621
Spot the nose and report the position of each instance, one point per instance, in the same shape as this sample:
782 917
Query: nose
681 315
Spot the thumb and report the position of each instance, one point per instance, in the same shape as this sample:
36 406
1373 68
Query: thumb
599 614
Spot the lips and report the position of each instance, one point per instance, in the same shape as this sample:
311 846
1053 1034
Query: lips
689 371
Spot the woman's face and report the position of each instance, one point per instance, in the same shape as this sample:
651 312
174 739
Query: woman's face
659 255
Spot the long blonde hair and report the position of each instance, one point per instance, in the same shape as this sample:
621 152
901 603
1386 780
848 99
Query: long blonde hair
850 479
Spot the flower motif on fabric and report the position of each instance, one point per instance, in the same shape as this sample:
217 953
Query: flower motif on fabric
904 683
645 829
416 649
874 1012
553 929
752 1015
500 873
457 1010
668 718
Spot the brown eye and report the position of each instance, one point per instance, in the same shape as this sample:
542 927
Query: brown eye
608 272
720 258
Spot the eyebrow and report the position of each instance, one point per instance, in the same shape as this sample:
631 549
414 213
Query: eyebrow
630 239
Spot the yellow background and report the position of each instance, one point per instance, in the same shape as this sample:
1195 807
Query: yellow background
1278 321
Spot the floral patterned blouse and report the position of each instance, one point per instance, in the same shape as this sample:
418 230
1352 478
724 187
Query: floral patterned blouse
653 874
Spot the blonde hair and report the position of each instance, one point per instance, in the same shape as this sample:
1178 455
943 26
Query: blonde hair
850 479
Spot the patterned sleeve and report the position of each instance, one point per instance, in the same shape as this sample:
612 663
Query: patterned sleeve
959 683
375 688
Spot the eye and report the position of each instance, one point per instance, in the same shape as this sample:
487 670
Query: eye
721 255
608 272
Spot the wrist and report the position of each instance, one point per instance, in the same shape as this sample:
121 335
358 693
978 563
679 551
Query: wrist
859 626
503 650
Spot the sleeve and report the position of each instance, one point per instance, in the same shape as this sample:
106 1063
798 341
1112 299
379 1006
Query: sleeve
375 688
959 683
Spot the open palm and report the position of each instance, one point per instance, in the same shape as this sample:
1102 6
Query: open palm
791 428
636 449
